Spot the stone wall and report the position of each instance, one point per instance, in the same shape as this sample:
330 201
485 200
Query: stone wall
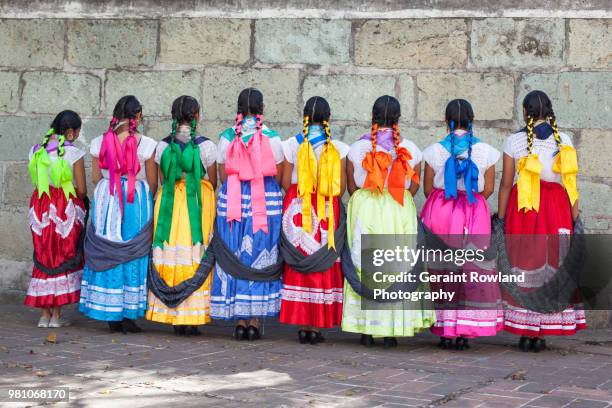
350 55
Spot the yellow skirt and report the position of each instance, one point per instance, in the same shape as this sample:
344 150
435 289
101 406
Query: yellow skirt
179 259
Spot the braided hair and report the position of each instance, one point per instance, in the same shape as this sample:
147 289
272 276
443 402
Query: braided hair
538 106
128 107
250 102
386 112
64 121
459 114
184 111
317 110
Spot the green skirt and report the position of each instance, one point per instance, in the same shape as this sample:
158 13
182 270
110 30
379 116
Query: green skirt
370 213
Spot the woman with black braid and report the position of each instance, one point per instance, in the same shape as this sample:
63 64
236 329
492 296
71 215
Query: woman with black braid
314 178
183 216
56 218
248 223
540 210
459 177
383 174
125 174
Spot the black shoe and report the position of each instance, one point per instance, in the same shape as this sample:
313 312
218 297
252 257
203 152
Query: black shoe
179 330
461 343
389 342
130 326
240 332
315 337
192 331
524 344
366 340
303 336
445 343
253 333
538 344
116 327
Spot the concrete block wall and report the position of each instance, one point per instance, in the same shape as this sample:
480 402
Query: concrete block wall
86 60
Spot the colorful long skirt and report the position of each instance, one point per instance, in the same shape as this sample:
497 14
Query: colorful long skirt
477 308
56 224
538 259
179 259
234 298
313 299
370 213
120 292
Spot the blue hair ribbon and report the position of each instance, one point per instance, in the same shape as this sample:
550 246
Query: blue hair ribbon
456 168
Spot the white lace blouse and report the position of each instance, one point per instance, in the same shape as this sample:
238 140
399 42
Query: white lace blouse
516 147
483 155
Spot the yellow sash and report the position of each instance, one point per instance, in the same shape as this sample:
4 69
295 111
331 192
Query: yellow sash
329 186
566 164
307 179
528 183
529 169
329 178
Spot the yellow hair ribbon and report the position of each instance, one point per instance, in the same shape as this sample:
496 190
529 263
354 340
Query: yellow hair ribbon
307 178
528 182
566 164
329 186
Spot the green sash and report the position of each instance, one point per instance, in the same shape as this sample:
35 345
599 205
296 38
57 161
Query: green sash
173 163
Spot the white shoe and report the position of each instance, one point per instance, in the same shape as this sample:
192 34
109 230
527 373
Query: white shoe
58 322
43 322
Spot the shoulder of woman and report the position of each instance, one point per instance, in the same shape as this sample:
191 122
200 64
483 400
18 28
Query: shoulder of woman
208 144
147 145
342 147
270 133
410 145
359 144
566 139
228 134
340 144
432 151
96 145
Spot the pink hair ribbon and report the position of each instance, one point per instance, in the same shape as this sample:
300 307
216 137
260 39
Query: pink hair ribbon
120 160
249 164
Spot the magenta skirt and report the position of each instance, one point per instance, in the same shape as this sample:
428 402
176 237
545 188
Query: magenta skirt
477 308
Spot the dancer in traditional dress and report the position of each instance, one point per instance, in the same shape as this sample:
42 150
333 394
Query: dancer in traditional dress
57 217
459 177
314 179
382 177
544 201
247 284
184 215
116 255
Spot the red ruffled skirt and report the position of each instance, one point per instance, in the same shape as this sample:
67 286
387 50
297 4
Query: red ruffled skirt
56 224
313 299
538 259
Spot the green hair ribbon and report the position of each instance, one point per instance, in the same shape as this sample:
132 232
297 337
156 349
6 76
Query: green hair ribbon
174 161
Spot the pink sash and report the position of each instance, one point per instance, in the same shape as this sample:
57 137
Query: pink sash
119 161
252 164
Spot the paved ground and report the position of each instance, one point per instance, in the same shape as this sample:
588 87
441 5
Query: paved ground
156 368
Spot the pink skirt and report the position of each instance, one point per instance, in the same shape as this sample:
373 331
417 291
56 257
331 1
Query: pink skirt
477 307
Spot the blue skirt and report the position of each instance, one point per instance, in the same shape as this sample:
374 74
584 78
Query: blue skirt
120 292
242 299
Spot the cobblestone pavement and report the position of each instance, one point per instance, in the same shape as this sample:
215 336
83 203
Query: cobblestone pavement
156 368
